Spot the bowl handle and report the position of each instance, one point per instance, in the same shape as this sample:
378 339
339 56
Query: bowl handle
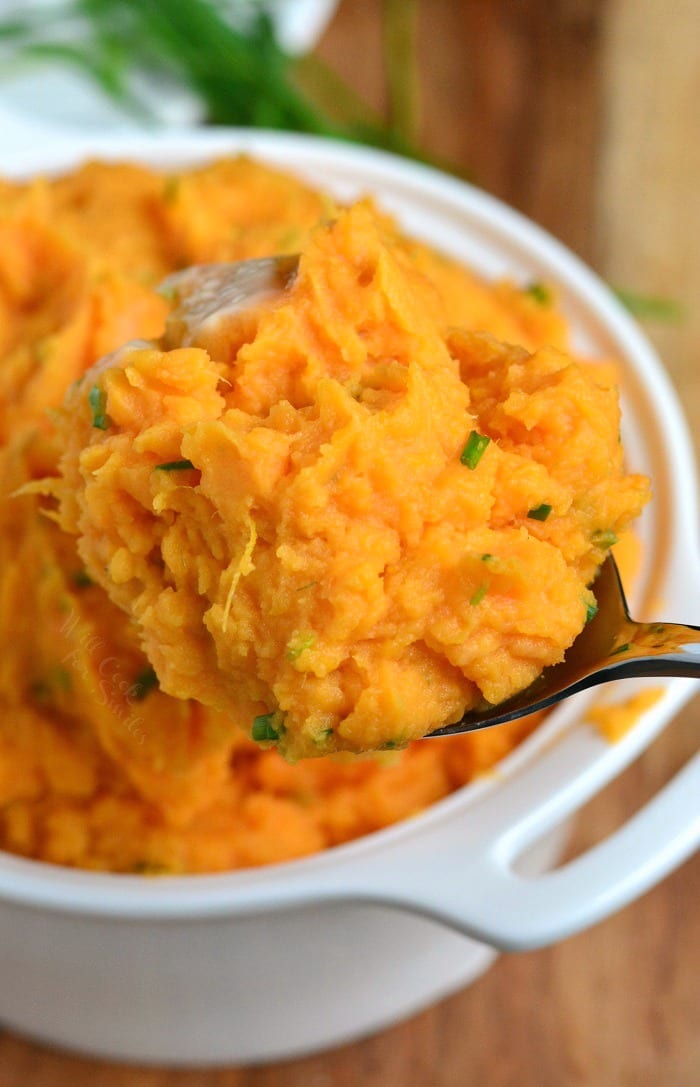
465 875
516 913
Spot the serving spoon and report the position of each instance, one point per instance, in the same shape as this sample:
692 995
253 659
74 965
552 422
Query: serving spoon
611 646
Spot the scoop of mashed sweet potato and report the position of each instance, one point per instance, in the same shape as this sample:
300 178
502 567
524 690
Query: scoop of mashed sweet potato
335 515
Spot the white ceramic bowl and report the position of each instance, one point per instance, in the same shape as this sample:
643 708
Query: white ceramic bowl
263 964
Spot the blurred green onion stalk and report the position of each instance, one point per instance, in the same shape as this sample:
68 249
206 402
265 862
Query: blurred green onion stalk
227 54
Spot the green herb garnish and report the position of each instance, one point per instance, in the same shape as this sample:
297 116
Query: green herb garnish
479 595
40 691
297 646
621 649
173 466
81 579
591 610
62 678
150 868
144 683
604 538
474 449
97 400
44 689
266 728
321 738
540 513
540 293
308 585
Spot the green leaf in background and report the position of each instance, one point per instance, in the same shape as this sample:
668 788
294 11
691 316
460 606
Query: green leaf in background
228 55
401 66
648 307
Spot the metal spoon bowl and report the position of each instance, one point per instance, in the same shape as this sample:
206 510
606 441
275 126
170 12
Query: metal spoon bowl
612 646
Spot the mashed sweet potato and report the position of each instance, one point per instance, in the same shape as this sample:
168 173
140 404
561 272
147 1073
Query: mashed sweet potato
328 494
332 516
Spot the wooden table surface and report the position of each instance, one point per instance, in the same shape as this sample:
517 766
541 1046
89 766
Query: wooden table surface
583 114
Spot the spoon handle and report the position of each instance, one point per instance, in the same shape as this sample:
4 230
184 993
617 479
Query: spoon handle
611 646
639 650
654 649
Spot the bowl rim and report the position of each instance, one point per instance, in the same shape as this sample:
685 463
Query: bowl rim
44 885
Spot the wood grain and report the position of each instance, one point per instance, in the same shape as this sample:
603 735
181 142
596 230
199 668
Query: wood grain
585 115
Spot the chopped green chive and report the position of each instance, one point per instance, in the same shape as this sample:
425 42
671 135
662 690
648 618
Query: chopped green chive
144 683
173 466
540 293
150 868
591 611
474 449
297 647
604 539
97 400
45 689
62 678
540 513
620 649
40 691
479 595
81 579
487 557
266 728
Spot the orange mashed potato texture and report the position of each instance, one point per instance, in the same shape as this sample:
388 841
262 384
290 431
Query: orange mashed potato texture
329 573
